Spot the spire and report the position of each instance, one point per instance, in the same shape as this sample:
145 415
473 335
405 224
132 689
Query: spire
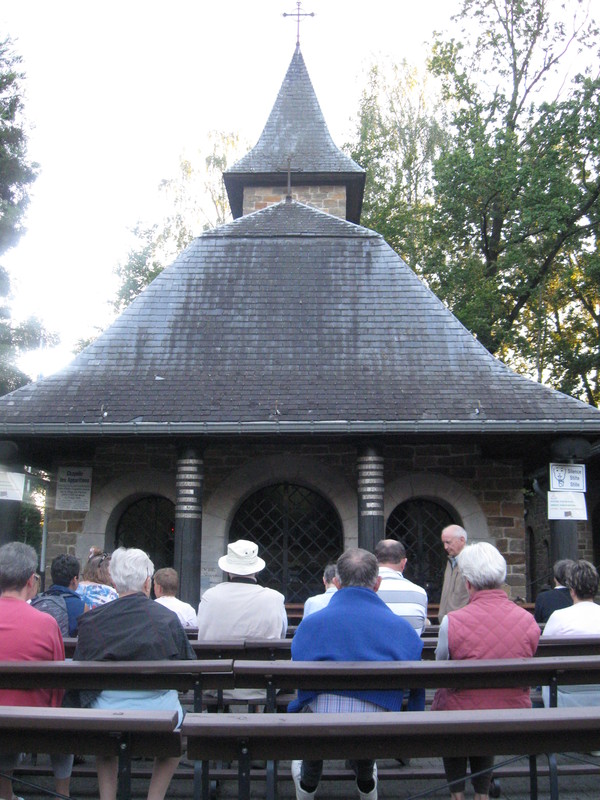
296 138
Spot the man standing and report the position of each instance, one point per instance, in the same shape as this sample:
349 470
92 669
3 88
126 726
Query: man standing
166 584
356 625
560 597
403 597
27 635
454 590
319 601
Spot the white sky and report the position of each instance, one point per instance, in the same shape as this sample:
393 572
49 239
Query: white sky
116 91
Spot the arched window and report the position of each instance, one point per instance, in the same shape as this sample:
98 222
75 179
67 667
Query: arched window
418 524
298 532
149 523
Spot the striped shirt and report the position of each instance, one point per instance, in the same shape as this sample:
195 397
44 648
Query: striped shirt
403 597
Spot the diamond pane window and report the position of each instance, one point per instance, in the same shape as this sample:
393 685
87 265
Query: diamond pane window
418 525
298 532
149 524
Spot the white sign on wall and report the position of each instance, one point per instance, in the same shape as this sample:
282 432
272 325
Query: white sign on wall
566 505
11 485
567 477
73 488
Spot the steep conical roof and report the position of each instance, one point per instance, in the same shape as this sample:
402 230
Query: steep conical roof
289 320
296 137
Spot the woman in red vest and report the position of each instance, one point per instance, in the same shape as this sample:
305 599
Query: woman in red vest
489 626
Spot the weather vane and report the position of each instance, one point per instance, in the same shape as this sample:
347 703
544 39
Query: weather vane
298 13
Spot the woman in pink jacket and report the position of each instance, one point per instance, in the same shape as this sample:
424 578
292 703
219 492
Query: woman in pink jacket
490 626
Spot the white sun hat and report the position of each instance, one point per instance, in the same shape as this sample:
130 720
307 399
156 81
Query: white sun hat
242 558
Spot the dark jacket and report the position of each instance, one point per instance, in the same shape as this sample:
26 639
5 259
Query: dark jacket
548 602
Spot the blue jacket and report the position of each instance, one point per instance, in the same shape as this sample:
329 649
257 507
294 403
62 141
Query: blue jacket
356 626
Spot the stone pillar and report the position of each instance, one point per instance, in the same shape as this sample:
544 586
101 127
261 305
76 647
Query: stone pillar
563 532
370 499
188 524
10 510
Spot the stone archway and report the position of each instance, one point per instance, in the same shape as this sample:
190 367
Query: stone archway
100 525
220 507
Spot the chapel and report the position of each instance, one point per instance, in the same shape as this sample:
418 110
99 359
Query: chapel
290 380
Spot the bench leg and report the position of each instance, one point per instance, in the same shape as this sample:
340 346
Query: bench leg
533 781
271 780
553 776
244 771
124 771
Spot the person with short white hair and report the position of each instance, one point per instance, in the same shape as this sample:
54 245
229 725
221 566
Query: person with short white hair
454 591
132 628
490 626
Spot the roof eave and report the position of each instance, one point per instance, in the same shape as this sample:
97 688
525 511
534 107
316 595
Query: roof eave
102 429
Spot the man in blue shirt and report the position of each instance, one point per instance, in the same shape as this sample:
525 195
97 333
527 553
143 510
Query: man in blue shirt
356 625
65 579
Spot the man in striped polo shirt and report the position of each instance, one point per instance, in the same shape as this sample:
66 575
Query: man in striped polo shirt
403 597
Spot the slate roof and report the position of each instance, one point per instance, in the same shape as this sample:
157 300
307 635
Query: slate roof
288 320
296 134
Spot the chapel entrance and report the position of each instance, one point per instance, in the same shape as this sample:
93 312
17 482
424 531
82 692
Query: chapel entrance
418 524
297 531
149 524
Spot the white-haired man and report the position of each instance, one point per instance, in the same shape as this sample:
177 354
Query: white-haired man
454 590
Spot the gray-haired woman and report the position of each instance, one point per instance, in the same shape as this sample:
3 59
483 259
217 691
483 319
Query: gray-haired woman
133 628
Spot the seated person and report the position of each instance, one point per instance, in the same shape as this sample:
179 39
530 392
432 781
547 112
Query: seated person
27 634
489 626
119 631
95 587
580 619
65 579
166 584
559 597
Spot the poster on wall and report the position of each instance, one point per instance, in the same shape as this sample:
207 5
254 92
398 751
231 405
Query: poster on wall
73 488
11 485
566 505
567 477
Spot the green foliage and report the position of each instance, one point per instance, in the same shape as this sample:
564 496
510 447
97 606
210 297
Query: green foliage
16 173
505 226
197 201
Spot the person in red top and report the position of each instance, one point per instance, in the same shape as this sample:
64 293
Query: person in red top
490 626
27 635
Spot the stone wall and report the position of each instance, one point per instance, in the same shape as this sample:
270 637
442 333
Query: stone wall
331 199
488 493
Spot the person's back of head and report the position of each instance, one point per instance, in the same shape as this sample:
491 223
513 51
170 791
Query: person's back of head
97 569
329 573
390 551
562 570
168 580
358 567
483 565
130 568
583 580
63 569
18 562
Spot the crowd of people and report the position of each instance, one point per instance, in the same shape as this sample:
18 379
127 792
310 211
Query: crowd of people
368 611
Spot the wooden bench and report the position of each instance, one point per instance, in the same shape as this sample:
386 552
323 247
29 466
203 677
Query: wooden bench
124 734
436 733
184 676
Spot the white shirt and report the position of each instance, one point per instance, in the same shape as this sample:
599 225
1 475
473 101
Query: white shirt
185 612
318 601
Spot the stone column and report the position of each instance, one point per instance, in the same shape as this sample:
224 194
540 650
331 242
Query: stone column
563 532
188 524
370 498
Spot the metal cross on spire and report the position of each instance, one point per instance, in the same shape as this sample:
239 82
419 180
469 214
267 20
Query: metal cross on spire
298 14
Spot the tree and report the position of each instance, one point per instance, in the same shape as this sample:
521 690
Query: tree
16 175
197 201
517 193
397 140
507 235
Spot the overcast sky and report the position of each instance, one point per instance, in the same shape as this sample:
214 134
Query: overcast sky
117 91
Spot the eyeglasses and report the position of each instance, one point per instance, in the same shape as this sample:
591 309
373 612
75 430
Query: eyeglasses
37 577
